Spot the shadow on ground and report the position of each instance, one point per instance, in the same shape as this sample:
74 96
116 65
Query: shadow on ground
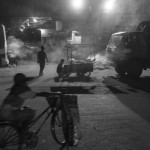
10 80
142 83
102 67
73 89
135 101
74 79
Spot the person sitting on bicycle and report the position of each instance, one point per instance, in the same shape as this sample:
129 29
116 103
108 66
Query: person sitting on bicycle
11 108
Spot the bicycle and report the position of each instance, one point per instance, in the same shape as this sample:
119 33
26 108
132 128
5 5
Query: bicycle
13 136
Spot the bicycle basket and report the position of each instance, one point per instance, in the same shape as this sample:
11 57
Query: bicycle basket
54 101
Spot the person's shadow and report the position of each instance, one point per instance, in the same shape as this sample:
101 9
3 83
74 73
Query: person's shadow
73 79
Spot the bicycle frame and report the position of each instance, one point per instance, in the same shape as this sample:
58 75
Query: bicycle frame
42 113
51 110
39 116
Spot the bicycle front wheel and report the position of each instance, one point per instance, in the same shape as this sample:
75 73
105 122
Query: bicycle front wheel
9 137
57 127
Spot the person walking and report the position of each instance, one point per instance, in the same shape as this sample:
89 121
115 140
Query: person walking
41 57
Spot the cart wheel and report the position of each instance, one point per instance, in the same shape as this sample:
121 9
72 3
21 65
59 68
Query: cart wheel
66 75
57 127
87 74
9 137
79 74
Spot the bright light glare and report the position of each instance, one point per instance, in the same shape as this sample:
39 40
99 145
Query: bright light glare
77 4
34 19
21 29
109 6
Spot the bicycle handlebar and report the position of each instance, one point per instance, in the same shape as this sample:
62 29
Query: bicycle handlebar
53 98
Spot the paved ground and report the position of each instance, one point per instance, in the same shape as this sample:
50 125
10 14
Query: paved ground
114 114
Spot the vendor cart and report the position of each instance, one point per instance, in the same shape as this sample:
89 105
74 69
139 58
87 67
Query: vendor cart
80 59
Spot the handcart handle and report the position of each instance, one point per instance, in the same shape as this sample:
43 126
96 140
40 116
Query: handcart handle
47 94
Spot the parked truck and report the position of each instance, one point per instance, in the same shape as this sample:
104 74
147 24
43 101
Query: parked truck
130 51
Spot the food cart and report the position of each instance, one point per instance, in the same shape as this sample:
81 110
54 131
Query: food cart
80 59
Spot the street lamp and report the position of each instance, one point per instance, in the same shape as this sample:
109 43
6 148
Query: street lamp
109 6
77 4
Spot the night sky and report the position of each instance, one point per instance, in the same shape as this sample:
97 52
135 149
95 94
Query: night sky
15 8
62 9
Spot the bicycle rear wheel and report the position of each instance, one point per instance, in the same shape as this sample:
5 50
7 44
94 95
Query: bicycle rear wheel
9 137
57 127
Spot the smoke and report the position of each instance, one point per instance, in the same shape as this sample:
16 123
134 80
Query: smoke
77 53
131 13
101 61
126 15
56 55
82 53
19 48
14 46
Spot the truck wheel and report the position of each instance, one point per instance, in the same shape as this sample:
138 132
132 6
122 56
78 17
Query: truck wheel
87 74
134 69
120 70
79 74
66 75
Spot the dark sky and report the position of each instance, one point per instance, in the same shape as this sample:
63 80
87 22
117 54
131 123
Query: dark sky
29 8
62 8
34 8
14 8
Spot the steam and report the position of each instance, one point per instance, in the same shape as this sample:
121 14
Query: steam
56 55
124 18
101 61
14 46
19 48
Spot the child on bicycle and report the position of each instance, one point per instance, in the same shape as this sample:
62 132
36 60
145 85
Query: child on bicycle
11 108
